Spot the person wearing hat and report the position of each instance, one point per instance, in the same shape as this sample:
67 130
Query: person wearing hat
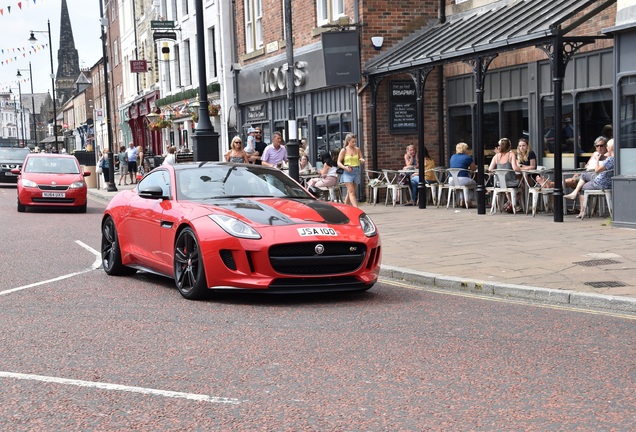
249 146
568 129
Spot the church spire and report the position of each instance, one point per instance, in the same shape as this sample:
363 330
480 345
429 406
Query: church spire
67 59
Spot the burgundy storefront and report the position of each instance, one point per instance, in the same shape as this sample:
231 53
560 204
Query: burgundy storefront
138 121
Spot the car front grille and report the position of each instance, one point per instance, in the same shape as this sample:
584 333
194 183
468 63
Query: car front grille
58 188
313 258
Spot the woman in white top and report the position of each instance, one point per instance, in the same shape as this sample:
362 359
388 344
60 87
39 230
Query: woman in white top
328 174
171 158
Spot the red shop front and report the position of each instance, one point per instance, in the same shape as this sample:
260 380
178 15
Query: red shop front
138 111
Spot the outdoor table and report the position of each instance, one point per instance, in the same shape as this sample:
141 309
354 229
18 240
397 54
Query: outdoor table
306 176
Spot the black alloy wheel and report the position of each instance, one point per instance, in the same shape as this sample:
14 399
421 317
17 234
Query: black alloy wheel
111 254
189 273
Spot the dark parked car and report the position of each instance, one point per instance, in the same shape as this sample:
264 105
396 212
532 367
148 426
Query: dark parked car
11 158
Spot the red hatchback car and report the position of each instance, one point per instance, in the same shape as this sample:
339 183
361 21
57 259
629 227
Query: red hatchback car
51 180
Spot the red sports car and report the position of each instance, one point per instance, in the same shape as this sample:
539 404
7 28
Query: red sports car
223 226
51 180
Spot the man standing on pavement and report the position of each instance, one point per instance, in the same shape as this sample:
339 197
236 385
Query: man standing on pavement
276 153
131 154
259 144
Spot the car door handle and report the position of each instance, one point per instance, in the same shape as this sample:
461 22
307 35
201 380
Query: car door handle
166 224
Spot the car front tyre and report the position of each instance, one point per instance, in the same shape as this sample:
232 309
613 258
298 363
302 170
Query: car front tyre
111 254
21 208
189 274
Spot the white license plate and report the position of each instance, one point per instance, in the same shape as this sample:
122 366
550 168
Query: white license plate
304 232
10 174
54 194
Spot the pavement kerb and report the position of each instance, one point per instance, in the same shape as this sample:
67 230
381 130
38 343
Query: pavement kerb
504 290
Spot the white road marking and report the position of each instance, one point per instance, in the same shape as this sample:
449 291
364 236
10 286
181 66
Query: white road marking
123 388
96 265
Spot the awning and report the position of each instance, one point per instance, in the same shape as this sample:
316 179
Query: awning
51 139
497 27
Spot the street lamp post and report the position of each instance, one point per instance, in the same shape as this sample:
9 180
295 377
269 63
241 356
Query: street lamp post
21 113
32 39
35 137
109 129
17 129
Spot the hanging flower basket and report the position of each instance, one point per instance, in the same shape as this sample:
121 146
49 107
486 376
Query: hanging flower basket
214 109
159 124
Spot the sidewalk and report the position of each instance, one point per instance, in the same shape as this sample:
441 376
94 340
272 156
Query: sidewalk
575 262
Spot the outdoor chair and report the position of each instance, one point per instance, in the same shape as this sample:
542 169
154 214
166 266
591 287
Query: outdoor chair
454 188
593 195
375 182
500 189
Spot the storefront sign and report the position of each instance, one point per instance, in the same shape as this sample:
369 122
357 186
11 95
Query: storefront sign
138 66
275 79
342 57
256 112
403 106
161 24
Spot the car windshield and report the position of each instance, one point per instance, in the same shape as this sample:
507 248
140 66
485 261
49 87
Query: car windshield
51 165
13 154
229 181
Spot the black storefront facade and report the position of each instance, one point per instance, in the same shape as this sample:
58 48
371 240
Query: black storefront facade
324 113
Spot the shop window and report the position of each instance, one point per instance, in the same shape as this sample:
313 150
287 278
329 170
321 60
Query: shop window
321 134
490 127
627 126
594 113
253 25
566 128
460 127
514 120
329 10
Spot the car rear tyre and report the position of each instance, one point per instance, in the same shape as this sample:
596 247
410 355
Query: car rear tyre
111 254
189 273
21 208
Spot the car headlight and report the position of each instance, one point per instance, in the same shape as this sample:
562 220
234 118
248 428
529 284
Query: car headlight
368 227
29 183
235 227
77 185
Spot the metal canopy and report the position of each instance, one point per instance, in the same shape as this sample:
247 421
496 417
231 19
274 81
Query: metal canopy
501 26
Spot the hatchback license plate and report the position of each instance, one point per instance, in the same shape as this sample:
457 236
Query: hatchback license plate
53 194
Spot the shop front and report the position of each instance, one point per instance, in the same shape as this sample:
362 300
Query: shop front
324 113
138 120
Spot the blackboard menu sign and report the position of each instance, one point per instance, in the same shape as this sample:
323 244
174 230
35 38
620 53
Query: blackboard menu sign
403 106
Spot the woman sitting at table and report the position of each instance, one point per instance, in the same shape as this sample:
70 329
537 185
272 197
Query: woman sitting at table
599 180
304 167
461 159
507 160
328 174
526 158
429 176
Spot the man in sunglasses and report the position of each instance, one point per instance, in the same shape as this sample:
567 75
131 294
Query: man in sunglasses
259 145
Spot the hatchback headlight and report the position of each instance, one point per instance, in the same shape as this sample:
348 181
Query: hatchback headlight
77 185
29 183
235 227
368 227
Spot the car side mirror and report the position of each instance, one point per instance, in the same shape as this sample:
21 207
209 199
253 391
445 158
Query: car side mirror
87 173
152 192
16 171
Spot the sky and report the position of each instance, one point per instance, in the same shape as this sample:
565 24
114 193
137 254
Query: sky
16 51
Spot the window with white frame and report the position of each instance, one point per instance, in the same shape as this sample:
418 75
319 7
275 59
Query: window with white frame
253 25
329 10
187 71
